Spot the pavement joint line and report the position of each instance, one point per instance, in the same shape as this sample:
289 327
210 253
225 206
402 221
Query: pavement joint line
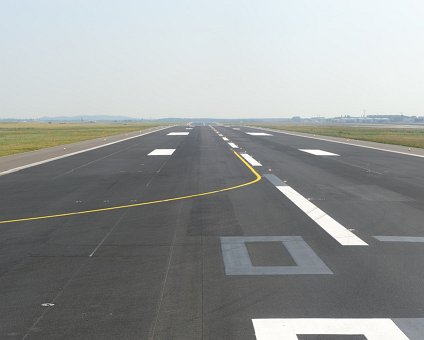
258 177
107 235
340 142
22 167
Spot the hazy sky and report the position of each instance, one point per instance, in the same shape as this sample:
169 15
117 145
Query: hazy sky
194 58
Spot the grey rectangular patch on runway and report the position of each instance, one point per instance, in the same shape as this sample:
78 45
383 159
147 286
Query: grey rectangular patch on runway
274 180
238 262
410 239
412 327
330 337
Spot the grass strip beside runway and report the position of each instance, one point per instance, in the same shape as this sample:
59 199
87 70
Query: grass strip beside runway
23 137
412 137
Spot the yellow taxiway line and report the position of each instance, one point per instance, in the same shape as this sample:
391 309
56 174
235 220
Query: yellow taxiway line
258 177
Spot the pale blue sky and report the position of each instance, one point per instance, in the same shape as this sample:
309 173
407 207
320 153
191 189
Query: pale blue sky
195 58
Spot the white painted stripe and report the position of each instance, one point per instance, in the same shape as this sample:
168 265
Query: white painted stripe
161 152
220 135
326 222
189 128
234 146
178 133
258 134
339 142
288 329
238 129
318 152
225 138
250 159
76 152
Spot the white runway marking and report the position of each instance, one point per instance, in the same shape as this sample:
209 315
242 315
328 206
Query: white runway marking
287 329
76 152
225 138
161 152
250 159
47 304
238 129
318 152
326 222
234 146
258 134
189 128
178 133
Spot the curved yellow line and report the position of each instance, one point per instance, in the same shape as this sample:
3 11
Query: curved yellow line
257 179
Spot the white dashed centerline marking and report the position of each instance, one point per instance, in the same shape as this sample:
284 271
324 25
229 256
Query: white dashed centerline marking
326 222
234 146
225 138
318 152
178 133
162 152
250 159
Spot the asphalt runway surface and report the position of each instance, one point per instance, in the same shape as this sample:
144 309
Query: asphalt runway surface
220 233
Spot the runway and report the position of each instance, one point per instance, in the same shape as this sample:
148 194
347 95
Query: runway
252 235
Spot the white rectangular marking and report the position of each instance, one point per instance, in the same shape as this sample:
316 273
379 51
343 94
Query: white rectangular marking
234 146
318 152
161 152
178 133
326 222
189 128
225 138
250 159
258 134
238 129
288 329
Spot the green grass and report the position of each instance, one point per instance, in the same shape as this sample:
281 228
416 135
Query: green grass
23 137
412 137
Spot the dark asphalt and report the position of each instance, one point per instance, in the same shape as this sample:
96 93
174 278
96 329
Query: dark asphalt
157 272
